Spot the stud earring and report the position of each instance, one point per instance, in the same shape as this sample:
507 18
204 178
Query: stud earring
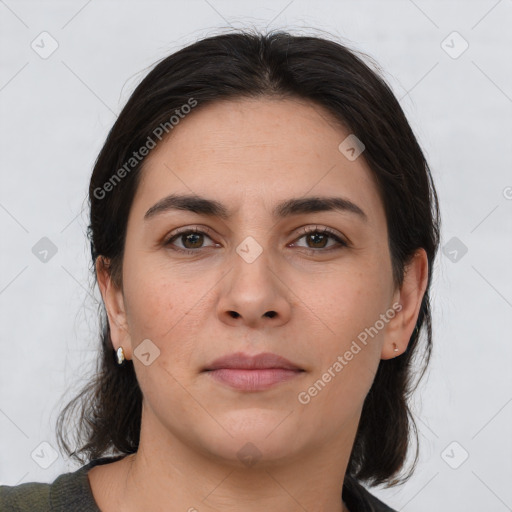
120 356
396 348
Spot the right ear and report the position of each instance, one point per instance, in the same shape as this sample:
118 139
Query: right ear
115 306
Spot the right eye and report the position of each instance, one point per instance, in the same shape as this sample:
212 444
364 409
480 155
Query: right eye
192 236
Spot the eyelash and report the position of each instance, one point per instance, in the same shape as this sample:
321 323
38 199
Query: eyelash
304 232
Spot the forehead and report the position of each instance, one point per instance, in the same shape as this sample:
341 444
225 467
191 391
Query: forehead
257 152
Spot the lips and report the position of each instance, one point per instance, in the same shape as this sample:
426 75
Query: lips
241 361
246 373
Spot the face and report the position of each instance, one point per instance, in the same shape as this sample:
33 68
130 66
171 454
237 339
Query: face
301 283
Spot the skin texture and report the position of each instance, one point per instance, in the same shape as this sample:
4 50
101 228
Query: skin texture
251 154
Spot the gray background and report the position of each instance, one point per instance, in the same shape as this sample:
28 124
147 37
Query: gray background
55 114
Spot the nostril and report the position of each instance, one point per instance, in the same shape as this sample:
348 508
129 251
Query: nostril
234 314
271 314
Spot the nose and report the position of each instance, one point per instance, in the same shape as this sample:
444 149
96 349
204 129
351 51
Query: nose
254 294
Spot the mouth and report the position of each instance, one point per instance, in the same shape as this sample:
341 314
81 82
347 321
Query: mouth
252 373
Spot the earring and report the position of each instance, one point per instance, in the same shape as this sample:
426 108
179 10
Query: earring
396 348
120 356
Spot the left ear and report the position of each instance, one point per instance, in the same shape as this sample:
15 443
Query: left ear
410 295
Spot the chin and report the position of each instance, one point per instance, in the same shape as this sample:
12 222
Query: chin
257 436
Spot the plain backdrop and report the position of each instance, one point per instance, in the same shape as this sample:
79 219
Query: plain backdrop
449 63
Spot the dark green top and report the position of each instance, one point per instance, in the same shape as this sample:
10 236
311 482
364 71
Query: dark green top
71 492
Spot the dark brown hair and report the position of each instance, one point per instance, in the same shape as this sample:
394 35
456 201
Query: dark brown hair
278 65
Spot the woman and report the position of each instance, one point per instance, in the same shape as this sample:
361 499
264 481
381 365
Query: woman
263 228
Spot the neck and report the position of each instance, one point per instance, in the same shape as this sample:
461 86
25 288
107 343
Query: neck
172 476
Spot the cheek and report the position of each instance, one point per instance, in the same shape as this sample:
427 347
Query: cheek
349 351
336 390
353 307
163 308
150 305
355 300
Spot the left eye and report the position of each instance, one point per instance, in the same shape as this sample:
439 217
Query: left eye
319 237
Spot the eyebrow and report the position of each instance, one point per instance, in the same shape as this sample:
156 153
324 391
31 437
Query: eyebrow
212 208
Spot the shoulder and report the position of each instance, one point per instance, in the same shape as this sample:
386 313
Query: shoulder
32 496
359 499
69 491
